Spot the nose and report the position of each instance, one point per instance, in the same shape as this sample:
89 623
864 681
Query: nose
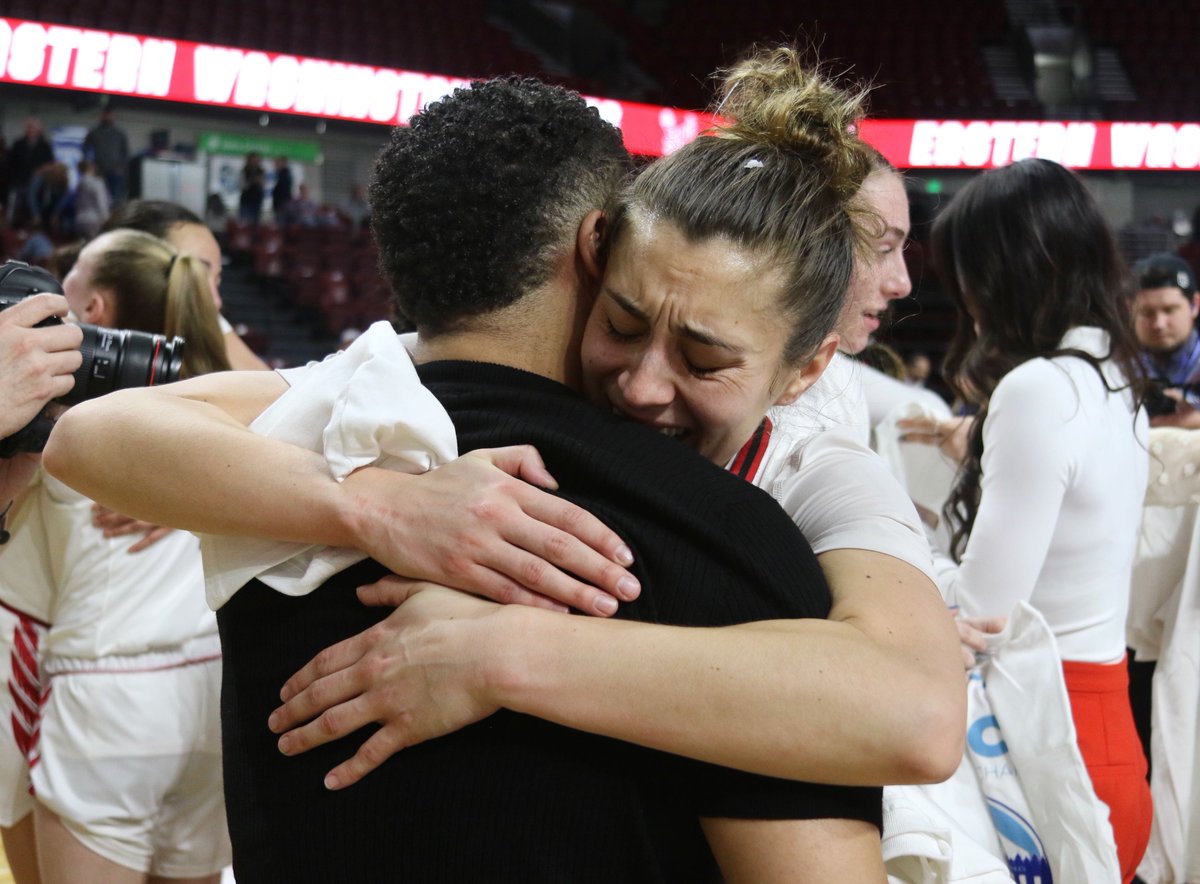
646 383
896 282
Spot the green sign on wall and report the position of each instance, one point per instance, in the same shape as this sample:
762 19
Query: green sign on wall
240 145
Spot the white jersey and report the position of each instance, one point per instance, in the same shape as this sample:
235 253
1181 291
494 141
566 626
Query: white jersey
26 579
111 602
839 493
834 402
1065 465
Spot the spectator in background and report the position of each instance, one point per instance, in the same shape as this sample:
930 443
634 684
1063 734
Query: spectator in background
253 189
37 247
92 202
917 368
1165 305
216 213
281 193
356 210
50 197
108 147
303 210
28 153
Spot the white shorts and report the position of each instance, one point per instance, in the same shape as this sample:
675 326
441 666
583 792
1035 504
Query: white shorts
131 764
20 701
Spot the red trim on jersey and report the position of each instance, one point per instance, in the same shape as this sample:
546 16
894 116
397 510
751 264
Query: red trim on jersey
749 459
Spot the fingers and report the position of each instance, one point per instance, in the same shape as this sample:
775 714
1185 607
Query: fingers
989 625
391 591
153 536
543 561
327 709
578 523
971 637
381 746
116 524
36 308
333 659
521 461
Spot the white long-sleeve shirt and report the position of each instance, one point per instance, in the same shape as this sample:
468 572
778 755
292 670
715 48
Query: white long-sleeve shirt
1064 473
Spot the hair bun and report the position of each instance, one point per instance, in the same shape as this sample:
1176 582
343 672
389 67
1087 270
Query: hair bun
773 98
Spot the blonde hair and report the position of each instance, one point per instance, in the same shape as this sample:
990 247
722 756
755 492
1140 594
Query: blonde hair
779 178
156 289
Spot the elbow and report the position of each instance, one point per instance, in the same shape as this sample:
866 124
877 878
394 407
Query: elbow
930 746
56 457
64 453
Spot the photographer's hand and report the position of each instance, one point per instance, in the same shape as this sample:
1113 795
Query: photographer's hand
1185 416
36 364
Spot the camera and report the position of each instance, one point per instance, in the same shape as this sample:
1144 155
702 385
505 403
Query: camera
1158 403
113 359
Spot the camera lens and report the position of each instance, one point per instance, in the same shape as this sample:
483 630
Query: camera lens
114 359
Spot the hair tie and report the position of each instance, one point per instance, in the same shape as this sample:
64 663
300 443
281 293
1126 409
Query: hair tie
171 265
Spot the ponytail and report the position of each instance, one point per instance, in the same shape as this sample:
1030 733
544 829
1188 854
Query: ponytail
191 314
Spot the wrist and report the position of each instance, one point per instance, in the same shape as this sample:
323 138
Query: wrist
520 652
361 523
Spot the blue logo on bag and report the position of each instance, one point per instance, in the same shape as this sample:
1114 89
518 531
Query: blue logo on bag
1022 846
976 737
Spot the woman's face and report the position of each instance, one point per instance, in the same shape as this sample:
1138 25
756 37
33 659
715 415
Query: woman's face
883 277
688 338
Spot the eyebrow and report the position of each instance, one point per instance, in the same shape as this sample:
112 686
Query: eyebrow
698 335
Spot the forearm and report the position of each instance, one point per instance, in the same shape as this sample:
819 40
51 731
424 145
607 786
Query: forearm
795 851
804 699
170 459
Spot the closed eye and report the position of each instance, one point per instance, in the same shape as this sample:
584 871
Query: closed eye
617 334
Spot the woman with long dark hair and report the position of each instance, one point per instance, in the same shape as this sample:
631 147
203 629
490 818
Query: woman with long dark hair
1048 502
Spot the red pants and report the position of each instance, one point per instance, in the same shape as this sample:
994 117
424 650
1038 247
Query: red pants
1112 752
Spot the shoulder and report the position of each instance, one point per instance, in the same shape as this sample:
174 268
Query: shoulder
1044 386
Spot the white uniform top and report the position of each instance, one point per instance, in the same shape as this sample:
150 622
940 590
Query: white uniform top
884 396
841 495
835 401
26 581
111 602
1064 473
362 406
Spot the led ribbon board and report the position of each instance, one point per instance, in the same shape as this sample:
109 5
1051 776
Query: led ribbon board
89 60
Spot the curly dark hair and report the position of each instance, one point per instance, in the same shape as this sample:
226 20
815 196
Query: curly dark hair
476 199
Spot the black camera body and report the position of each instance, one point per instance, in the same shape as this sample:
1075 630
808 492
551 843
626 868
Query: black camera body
1158 403
113 359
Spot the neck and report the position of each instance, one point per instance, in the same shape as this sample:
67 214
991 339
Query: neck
540 334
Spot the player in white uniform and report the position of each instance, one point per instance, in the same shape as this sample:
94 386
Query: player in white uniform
128 783
26 599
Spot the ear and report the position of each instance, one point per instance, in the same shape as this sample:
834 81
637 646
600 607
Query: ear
588 240
98 308
807 375
1195 304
